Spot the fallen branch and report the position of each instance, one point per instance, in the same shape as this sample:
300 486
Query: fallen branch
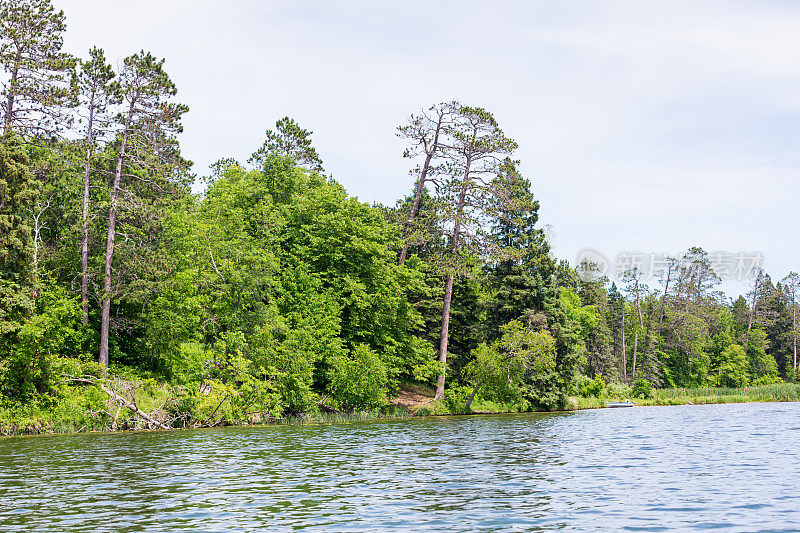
204 422
326 408
121 400
132 407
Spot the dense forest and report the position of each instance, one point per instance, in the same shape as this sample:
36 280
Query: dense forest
276 292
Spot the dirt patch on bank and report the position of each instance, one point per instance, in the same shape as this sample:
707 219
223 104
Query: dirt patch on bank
413 397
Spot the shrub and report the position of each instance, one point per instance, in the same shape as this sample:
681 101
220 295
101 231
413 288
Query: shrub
358 380
594 387
455 398
642 389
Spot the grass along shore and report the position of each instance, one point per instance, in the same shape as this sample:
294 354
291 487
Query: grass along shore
87 409
776 392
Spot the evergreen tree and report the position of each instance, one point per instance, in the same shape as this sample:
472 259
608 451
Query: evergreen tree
97 95
39 89
524 283
17 195
148 157
291 140
470 194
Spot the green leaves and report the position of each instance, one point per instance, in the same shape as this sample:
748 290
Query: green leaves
359 379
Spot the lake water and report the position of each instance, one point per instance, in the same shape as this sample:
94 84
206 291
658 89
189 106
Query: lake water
729 467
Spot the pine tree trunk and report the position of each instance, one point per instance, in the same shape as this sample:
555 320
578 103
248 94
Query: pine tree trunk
418 193
635 345
414 209
444 338
664 299
752 311
112 229
448 291
85 218
624 357
794 331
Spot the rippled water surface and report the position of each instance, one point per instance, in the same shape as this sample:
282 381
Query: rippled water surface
730 467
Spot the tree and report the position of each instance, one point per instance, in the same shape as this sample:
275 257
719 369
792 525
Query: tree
17 195
38 91
522 362
754 294
791 285
672 267
425 134
733 370
762 366
96 94
291 140
635 287
469 193
525 281
147 150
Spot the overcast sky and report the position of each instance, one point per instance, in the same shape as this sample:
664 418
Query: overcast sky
644 126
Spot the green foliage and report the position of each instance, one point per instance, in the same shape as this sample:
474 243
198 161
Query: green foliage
593 387
275 290
456 397
521 365
17 193
45 344
761 365
733 368
358 380
289 140
642 389
38 92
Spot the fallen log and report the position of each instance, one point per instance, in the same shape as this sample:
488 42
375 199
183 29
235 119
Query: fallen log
122 401
116 397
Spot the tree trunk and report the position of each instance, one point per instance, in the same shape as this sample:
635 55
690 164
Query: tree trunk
635 345
112 229
794 330
418 193
85 218
752 310
414 209
443 339
448 290
471 397
664 299
624 356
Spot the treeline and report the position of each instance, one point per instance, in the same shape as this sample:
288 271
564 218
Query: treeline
275 292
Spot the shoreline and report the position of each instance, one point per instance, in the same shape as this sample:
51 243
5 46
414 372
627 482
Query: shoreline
663 397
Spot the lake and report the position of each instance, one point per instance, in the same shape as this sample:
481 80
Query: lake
729 467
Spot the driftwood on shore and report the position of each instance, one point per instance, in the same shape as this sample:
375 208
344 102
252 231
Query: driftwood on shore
122 401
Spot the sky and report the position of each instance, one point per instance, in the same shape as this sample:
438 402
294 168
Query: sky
644 127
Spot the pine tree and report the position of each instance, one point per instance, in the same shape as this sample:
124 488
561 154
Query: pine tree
39 89
426 135
470 194
17 195
524 283
147 157
97 95
291 140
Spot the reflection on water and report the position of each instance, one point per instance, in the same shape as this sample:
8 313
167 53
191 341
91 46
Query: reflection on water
733 467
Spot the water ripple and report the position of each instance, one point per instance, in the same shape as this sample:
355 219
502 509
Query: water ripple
731 467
